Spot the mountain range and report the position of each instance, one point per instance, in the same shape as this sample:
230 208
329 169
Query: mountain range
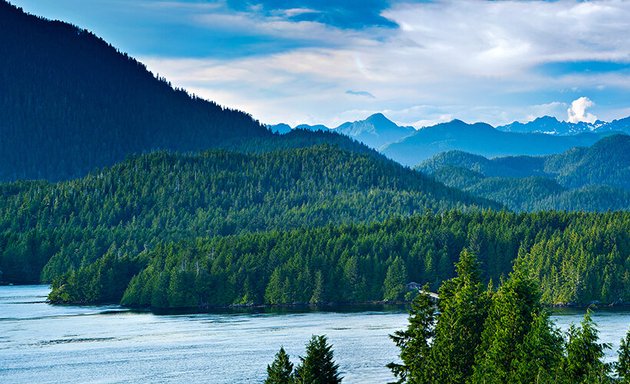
376 131
542 136
592 178
553 126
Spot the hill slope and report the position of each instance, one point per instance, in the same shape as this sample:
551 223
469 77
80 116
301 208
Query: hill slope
76 103
156 197
481 139
592 178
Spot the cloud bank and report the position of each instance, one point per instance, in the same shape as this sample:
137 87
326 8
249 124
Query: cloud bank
306 61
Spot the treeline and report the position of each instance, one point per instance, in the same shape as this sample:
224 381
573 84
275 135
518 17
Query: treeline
577 257
164 197
477 334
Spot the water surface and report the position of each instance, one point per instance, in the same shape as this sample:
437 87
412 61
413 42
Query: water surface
41 343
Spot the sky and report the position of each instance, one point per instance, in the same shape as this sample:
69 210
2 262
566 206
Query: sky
418 62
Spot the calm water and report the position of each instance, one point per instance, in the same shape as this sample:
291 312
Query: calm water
40 343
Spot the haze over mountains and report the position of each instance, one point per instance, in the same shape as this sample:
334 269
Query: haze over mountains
375 131
542 136
551 125
595 178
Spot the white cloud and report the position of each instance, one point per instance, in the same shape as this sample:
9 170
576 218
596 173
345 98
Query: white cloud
471 60
577 111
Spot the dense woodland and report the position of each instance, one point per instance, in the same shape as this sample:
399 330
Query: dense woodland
159 197
477 334
76 103
592 178
578 258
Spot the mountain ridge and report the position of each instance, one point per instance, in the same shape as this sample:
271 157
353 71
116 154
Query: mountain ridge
588 178
77 103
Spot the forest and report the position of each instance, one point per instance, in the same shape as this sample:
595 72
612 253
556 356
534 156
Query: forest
77 104
591 178
478 334
578 258
47 229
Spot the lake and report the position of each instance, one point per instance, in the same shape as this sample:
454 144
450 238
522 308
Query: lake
41 343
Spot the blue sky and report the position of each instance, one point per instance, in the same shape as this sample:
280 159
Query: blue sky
419 62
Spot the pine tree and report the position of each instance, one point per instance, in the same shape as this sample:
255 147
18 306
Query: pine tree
414 342
395 280
623 364
281 370
463 308
318 367
517 335
583 362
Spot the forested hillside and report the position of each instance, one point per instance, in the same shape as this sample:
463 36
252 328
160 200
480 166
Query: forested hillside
579 258
70 103
595 178
157 197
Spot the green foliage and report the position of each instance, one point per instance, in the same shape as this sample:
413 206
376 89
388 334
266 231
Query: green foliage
581 179
463 306
414 342
623 364
318 366
577 258
50 229
515 343
76 103
518 343
281 370
395 280
583 362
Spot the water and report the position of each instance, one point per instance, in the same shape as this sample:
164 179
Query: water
40 343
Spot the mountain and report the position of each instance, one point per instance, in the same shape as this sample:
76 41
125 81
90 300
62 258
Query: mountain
75 103
481 139
551 125
279 128
376 131
592 178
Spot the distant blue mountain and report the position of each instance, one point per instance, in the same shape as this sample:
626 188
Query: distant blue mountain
280 128
551 125
483 139
376 131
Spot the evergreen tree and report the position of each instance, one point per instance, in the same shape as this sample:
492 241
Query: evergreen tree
414 342
538 359
463 306
623 364
281 370
395 280
514 335
583 362
318 367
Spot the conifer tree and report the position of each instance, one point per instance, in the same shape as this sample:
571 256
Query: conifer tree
463 307
318 367
517 335
583 362
414 342
623 364
395 280
281 370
